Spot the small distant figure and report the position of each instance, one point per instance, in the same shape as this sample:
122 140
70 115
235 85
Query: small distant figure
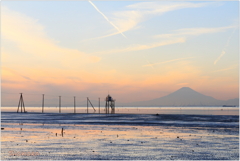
157 114
62 132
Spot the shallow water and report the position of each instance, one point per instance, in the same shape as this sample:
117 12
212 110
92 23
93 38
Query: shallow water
137 110
119 136
123 119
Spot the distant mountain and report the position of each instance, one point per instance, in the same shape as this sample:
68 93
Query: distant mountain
185 97
234 101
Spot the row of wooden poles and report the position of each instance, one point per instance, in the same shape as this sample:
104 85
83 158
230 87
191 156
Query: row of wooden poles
22 106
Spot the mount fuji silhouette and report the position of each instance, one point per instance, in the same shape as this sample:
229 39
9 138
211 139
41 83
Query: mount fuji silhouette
185 96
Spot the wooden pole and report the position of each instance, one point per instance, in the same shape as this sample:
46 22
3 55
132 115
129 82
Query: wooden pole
19 103
23 105
106 106
99 104
87 104
91 104
113 106
74 105
43 104
59 104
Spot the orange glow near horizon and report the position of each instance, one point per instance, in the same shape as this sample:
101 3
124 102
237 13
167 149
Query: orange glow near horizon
34 61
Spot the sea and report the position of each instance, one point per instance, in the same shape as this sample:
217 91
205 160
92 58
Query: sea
133 110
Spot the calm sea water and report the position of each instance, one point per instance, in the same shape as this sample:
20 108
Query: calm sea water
136 110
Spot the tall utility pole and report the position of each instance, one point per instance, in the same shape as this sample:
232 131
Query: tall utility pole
43 104
59 104
74 105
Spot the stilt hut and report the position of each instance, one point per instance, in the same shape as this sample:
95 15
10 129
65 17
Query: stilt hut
110 105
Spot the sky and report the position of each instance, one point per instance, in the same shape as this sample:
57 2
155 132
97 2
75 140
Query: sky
134 50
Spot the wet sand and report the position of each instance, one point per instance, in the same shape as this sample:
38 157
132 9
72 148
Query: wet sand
110 141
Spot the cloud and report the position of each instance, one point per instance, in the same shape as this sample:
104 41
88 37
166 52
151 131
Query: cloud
107 19
178 36
173 60
30 58
10 72
172 75
150 64
15 80
30 38
137 13
96 38
138 47
186 32
226 69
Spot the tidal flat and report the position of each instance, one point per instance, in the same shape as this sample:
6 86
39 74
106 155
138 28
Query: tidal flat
35 136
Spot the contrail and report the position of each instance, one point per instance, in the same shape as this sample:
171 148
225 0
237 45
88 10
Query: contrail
167 61
106 18
223 51
150 64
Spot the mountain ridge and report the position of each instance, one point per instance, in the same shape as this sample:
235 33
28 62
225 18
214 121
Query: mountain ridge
185 96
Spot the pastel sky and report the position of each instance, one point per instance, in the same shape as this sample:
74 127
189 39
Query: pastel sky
135 50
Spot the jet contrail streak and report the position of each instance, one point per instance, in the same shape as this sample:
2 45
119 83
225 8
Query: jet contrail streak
107 18
223 51
150 64
167 61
